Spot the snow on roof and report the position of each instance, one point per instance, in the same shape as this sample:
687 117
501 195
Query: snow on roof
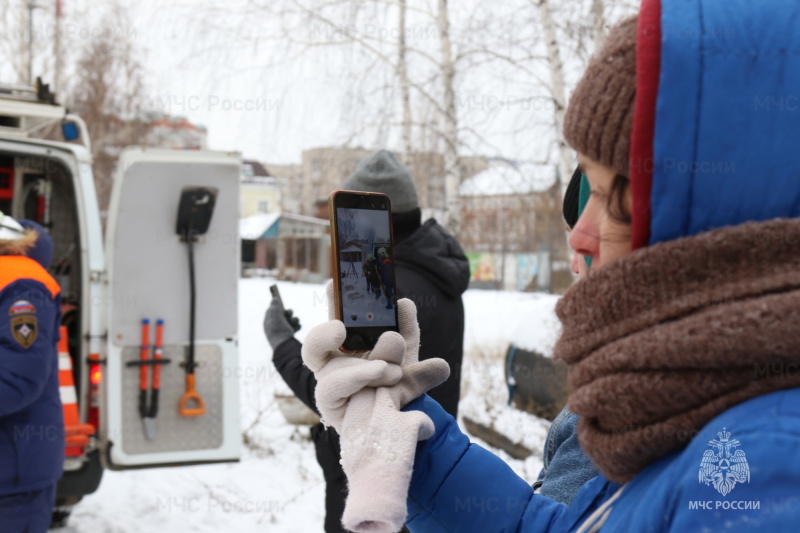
508 178
304 218
352 249
251 228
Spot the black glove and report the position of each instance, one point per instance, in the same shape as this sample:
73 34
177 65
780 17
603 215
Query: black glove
279 325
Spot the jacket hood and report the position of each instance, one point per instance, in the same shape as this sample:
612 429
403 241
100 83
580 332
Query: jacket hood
717 116
432 250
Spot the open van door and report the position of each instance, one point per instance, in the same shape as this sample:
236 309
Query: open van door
172 253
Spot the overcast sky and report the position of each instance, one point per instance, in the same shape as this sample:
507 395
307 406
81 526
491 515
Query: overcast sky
219 79
203 60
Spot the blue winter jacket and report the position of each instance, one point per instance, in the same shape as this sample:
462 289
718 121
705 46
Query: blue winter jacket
31 417
461 487
727 124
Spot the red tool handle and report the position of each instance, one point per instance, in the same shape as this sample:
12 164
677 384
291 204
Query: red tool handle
144 354
158 353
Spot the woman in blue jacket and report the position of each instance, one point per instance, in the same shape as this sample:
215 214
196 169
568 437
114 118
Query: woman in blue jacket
682 344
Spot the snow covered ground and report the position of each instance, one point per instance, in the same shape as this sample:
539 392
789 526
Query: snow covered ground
278 486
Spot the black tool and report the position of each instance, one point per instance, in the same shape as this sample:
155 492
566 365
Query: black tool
194 217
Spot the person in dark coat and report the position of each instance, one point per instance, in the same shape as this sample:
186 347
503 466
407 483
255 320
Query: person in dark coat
431 270
386 271
31 418
371 274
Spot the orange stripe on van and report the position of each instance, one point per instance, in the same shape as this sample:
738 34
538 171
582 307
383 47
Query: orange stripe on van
15 267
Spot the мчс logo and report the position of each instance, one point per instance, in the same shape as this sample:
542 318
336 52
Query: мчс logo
725 468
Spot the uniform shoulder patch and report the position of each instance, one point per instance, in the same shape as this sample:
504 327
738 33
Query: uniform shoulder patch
21 307
24 329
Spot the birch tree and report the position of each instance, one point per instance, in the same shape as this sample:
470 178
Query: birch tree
419 93
108 94
25 41
452 176
598 14
557 88
405 82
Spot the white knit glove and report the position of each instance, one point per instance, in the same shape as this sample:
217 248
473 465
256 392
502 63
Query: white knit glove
362 398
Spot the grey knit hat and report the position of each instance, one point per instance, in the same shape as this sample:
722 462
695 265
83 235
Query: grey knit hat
382 172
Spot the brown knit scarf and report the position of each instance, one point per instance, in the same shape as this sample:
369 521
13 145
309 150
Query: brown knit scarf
661 341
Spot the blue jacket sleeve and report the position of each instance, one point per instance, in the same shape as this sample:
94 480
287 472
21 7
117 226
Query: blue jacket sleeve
24 370
459 486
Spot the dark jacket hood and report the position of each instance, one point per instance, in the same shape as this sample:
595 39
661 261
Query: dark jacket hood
432 250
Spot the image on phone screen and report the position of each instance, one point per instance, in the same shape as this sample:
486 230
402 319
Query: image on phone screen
366 264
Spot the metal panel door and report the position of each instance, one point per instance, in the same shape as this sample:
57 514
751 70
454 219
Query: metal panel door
148 278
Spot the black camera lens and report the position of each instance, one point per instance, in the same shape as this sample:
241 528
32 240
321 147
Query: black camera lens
383 206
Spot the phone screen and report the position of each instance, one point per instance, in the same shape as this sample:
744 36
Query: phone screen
366 266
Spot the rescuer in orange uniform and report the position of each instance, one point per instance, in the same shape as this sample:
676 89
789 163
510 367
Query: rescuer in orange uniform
31 418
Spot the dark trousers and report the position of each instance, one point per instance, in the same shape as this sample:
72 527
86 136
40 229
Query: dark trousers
327 447
27 512
389 292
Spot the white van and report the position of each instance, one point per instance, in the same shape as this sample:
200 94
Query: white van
153 264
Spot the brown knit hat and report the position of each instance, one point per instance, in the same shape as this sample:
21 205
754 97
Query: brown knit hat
599 119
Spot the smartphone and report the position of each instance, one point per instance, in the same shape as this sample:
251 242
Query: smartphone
362 253
293 320
273 289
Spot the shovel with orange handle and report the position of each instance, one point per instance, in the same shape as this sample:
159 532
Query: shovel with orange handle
194 216
191 403
191 396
